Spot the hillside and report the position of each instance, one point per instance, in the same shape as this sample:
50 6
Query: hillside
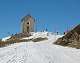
39 52
71 39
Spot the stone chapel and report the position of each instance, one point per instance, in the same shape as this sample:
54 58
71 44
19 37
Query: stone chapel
27 24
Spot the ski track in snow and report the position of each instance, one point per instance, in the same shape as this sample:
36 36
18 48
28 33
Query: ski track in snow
39 52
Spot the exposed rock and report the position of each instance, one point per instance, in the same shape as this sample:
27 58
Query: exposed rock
72 38
22 35
39 39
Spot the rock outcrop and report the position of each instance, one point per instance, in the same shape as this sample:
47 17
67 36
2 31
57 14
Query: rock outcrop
72 38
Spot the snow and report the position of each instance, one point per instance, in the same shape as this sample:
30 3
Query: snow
37 35
39 52
4 39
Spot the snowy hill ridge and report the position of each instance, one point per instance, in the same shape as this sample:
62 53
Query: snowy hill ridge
39 52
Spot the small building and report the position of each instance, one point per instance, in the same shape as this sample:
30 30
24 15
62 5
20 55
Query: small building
27 24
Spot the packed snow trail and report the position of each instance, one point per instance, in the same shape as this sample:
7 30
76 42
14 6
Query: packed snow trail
39 52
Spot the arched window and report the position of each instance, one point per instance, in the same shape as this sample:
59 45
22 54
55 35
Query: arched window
27 22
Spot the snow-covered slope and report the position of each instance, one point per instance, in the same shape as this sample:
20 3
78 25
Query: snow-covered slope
37 34
5 38
39 52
